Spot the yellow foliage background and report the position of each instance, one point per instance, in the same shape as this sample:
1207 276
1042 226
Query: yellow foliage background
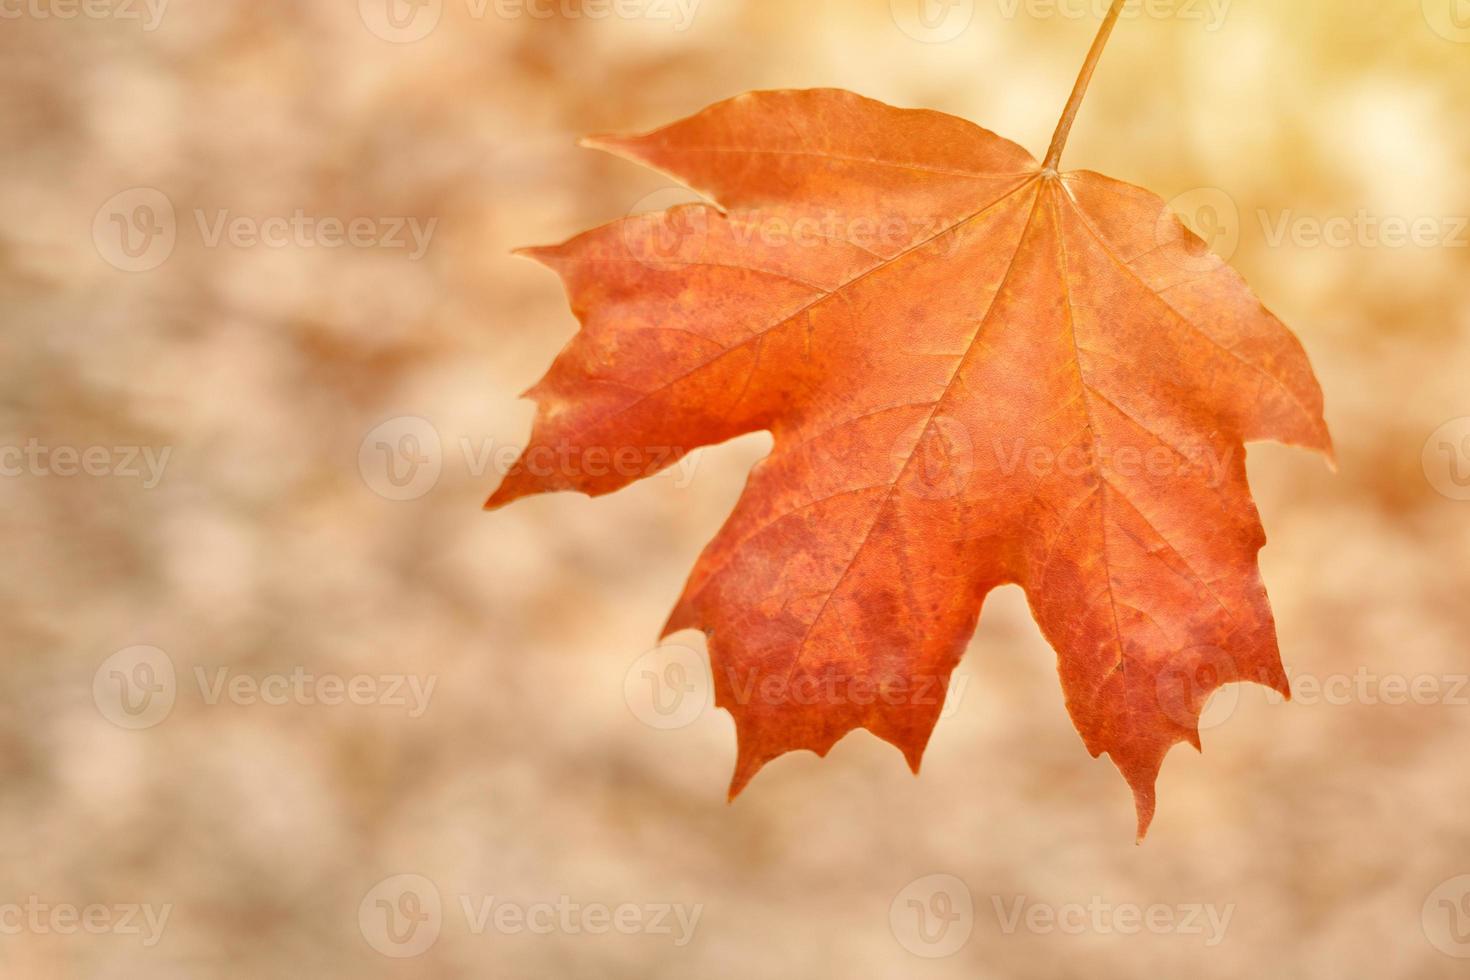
1325 824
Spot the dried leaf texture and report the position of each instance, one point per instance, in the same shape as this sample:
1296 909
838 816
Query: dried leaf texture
977 373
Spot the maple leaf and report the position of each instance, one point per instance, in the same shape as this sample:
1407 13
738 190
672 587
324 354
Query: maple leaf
977 371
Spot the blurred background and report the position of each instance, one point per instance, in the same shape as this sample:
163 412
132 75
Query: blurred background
279 700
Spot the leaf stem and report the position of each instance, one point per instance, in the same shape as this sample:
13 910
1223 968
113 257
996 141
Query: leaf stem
1069 114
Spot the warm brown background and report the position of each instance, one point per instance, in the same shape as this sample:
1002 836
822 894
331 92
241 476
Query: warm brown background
1326 823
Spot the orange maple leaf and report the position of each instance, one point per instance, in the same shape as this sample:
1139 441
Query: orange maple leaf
977 371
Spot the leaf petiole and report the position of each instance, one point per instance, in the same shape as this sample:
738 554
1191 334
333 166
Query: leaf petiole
1069 114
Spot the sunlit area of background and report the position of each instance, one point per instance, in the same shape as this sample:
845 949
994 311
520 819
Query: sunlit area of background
280 700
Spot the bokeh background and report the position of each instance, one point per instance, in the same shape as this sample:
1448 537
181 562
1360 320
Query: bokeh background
1333 830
